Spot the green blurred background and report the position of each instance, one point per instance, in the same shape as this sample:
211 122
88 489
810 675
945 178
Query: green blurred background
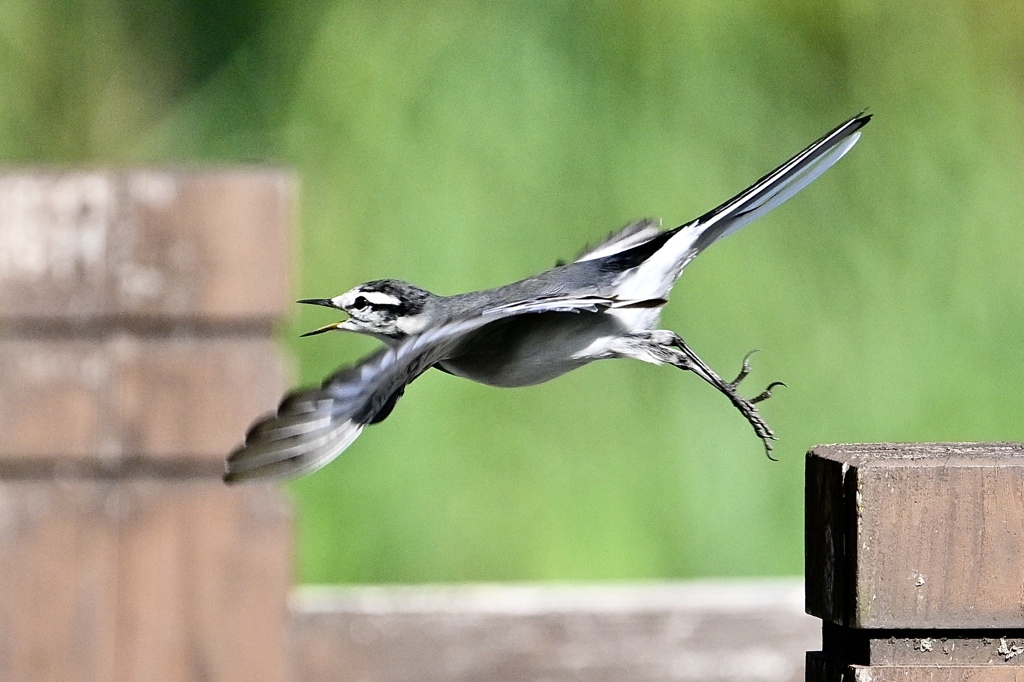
461 145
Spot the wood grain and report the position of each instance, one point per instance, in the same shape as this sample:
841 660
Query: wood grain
142 580
820 669
124 398
203 244
137 313
916 536
600 633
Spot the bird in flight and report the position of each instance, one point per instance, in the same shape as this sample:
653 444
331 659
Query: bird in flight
605 304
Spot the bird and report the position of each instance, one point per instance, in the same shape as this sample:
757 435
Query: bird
605 304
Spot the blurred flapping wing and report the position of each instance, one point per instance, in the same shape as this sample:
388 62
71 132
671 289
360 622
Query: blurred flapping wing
313 426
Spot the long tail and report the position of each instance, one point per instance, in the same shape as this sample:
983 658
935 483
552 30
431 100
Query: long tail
663 258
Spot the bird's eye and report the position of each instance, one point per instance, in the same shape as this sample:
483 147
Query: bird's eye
360 302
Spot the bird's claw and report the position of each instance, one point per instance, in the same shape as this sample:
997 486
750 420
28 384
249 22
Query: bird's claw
767 393
744 369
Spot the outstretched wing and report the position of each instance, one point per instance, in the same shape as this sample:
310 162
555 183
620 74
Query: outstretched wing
314 426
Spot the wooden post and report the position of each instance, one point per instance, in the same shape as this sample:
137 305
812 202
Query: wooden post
136 345
915 561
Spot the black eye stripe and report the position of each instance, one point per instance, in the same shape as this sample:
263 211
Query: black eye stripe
361 302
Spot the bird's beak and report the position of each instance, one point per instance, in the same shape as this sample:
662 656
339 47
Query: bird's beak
326 328
326 303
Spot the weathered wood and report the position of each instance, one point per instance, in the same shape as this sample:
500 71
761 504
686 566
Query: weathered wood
124 398
142 580
924 647
136 346
83 245
698 631
915 563
822 669
916 536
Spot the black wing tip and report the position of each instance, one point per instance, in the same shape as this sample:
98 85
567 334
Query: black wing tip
644 303
248 473
233 475
231 478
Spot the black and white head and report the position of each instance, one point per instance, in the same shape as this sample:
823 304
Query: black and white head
386 309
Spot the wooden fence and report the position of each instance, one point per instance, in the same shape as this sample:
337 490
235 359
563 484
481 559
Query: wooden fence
137 312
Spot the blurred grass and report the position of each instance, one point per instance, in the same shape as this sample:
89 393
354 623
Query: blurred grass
462 145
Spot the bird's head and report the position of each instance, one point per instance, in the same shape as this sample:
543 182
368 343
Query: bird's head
386 309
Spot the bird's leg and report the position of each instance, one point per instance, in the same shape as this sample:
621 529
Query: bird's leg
746 407
663 346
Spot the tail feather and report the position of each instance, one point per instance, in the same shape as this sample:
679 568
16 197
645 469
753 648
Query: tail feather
662 259
778 186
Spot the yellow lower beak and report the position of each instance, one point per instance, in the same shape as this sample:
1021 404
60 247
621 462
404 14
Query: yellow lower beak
326 328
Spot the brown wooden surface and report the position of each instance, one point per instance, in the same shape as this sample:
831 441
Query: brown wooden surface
137 314
123 398
916 536
82 245
820 669
1002 646
749 631
142 580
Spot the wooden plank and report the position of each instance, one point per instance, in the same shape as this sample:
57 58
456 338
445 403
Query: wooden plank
207 245
916 536
1003 646
934 674
675 631
122 399
819 669
204 576
143 580
58 583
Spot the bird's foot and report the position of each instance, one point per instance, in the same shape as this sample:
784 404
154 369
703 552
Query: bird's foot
744 371
746 406
767 393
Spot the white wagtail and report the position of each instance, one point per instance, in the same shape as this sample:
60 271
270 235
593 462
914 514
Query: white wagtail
605 304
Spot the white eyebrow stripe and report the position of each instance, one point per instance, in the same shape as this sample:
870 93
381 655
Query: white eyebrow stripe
348 299
379 298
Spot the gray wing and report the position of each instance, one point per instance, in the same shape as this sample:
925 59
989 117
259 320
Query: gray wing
631 235
313 426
